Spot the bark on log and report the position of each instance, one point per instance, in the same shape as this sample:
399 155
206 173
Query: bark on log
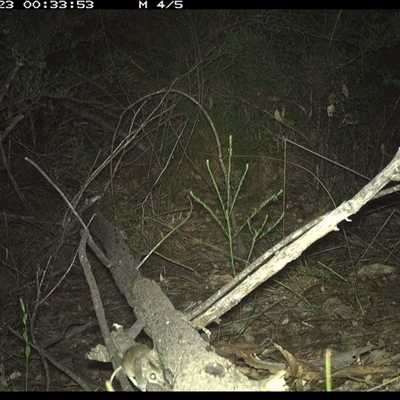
188 361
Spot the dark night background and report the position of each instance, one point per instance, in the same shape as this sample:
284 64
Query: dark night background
319 89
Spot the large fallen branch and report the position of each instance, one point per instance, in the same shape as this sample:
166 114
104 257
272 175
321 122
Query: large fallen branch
291 248
187 361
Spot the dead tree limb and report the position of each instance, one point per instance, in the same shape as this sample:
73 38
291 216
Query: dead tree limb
188 362
291 248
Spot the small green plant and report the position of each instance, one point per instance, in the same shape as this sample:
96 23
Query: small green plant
109 386
328 373
26 338
228 202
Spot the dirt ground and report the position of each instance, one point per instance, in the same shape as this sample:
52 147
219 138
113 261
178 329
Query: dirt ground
341 295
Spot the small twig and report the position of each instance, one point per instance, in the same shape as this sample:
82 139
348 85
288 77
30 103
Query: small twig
57 364
13 182
38 301
58 190
327 159
166 237
11 126
68 333
166 261
334 28
18 65
98 307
